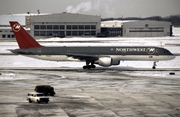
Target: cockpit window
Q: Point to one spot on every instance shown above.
(166, 52)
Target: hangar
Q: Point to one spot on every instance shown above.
(63, 24)
(72, 25)
(111, 28)
(147, 28)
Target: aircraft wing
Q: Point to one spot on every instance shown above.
(83, 57)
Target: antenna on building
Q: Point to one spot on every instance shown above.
(38, 11)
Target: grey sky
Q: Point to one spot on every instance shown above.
(105, 8)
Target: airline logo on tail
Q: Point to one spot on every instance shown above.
(16, 27)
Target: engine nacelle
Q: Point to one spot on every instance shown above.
(107, 61)
(104, 61)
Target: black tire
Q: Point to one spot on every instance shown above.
(51, 94)
(47, 102)
(30, 101)
(84, 67)
(93, 66)
(38, 101)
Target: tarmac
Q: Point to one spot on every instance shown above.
(91, 93)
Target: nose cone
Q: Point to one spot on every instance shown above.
(172, 57)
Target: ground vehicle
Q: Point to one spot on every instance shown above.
(37, 97)
(45, 89)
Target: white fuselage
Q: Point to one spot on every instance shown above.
(115, 57)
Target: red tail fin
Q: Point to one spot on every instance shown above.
(23, 38)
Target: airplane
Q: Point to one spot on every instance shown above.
(102, 55)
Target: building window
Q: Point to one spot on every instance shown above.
(49, 26)
(12, 36)
(55, 33)
(43, 27)
(68, 27)
(36, 33)
(3, 36)
(87, 32)
(49, 33)
(81, 26)
(62, 27)
(146, 25)
(61, 32)
(87, 26)
(9, 36)
(74, 33)
(68, 33)
(42, 33)
(36, 26)
(55, 26)
(81, 33)
(93, 26)
(93, 32)
(74, 27)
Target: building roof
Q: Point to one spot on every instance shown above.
(65, 17)
(151, 22)
(4, 19)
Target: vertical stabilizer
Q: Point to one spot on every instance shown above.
(23, 38)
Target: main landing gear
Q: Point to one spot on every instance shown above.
(154, 65)
(87, 66)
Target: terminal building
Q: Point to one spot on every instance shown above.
(72, 25)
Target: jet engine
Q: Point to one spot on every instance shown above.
(107, 61)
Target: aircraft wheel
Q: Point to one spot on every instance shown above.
(30, 101)
(93, 66)
(84, 67)
(89, 67)
(153, 67)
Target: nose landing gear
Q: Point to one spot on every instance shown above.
(154, 65)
